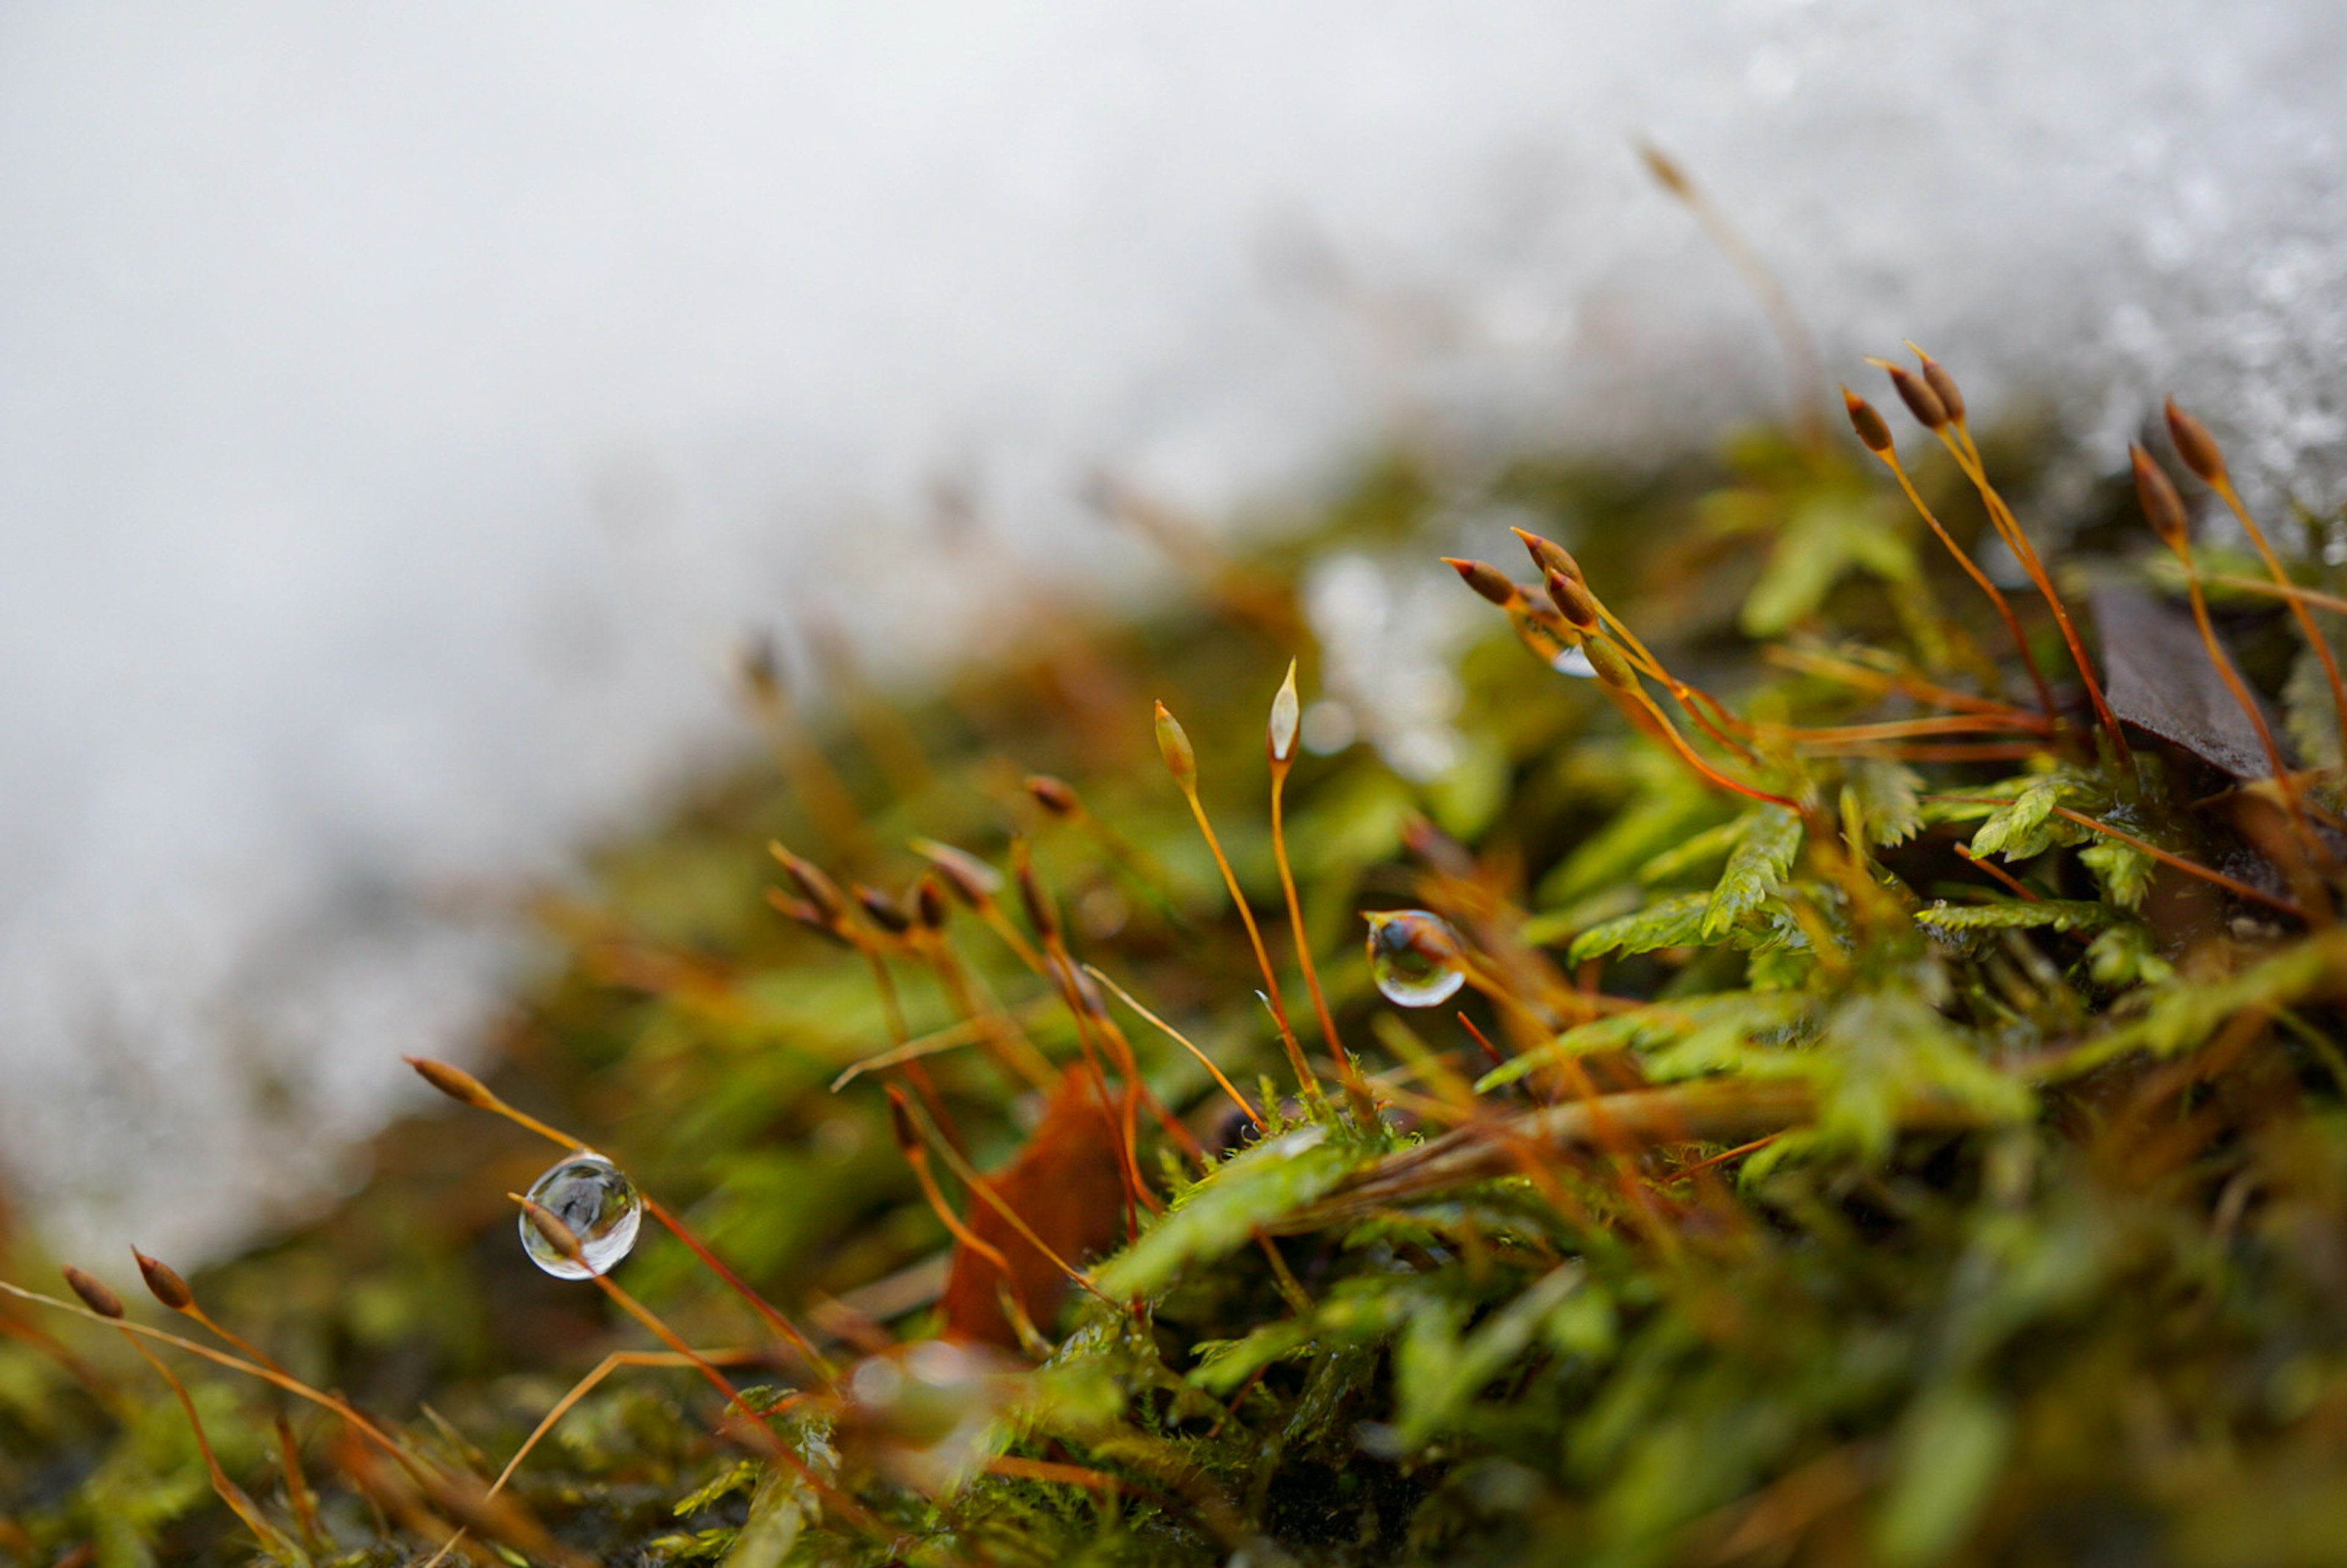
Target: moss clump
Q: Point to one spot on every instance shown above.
(1885, 1117)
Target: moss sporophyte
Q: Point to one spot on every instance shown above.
(1852, 1077)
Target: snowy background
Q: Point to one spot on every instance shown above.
(404, 407)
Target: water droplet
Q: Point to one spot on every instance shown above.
(1415, 958)
(600, 1205)
(1573, 661)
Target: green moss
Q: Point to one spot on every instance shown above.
(1930, 1216)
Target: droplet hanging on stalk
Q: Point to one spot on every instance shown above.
(1415, 958)
(599, 1204)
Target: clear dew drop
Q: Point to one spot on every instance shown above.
(600, 1205)
(1574, 660)
(1415, 958)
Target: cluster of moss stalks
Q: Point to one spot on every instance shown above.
(1890, 1112)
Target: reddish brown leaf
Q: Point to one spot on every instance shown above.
(1066, 1185)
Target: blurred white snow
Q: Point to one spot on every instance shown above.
(401, 407)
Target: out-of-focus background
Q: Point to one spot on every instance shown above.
(405, 409)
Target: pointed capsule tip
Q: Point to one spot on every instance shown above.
(2163, 507)
(1573, 600)
(163, 1282)
(1936, 376)
(1547, 553)
(1486, 580)
(1872, 433)
(1920, 400)
(2195, 446)
(93, 1293)
(1173, 745)
(453, 1081)
(1286, 716)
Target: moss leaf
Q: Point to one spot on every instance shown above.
(1756, 868)
(1222, 1211)
(1673, 923)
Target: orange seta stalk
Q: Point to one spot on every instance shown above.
(909, 1143)
(1643, 712)
(579, 1390)
(1578, 606)
(1181, 762)
(2009, 528)
(298, 1493)
(2206, 459)
(467, 1089)
(2029, 895)
(104, 1303)
(1933, 400)
(1804, 375)
(1185, 1041)
(1279, 749)
(2166, 857)
(1815, 661)
(566, 1242)
(2289, 591)
(1876, 437)
(291, 1385)
(2165, 511)
(164, 1284)
(273, 1539)
(980, 1188)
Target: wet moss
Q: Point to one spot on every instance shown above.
(1913, 1174)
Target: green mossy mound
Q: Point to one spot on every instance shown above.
(1920, 1174)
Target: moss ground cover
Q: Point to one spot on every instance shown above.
(1847, 1070)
